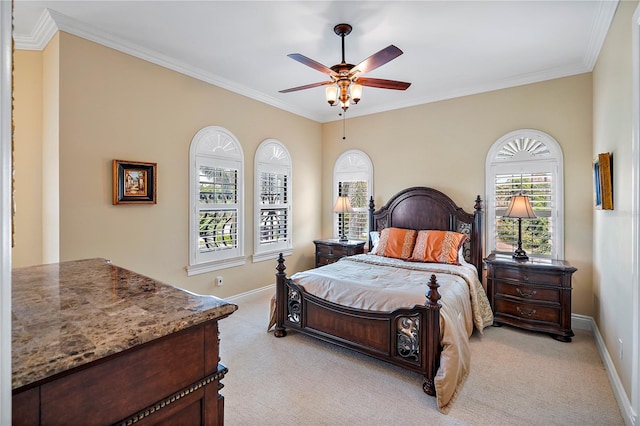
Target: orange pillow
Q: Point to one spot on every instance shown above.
(396, 242)
(438, 247)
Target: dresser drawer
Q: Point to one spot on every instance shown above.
(529, 276)
(527, 292)
(527, 311)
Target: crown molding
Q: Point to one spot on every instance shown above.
(519, 80)
(51, 21)
(604, 18)
(40, 36)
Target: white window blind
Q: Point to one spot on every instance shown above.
(217, 209)
(273, 204)
(356, 223)
(536, 233)
(274, 209)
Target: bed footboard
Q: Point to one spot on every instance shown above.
(409, 338)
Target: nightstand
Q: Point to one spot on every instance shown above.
(533, 294)
(332, 249)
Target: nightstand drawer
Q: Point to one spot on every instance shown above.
(335, 250)
(529, 276)
(324, 249)
(528, 312)
(527, 292)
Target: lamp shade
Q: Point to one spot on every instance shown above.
(356, 92)
(342, 205)
(520, 207)
(331, 93)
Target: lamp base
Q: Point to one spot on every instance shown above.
(520, 254)
(343, 238)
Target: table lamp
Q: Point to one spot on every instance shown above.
(342, 206)
(520, 208)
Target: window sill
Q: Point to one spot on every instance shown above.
(271, 255)
(203, 268)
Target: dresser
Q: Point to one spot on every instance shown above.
(534, 294)
(332, 249)
(94, 343)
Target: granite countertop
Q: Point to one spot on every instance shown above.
(68, 314)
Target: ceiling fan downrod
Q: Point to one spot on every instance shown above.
(342, 30)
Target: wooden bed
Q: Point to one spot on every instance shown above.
(374, 332)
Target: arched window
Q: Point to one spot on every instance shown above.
(526, 161)
(353, 177)
(216, 207)
(272, 189)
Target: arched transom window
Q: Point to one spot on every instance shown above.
(216, 206)
(353, 177)
(527, 162)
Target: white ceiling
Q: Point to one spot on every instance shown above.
(451, 48)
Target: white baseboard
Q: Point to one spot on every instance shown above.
(271, 287)
(582, 322)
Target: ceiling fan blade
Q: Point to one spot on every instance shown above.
(382, 83)
(306, 86)
(377, 59)
(311, 63)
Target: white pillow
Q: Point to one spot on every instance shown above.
(375, 238)
(463, 261)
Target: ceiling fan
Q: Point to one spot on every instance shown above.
(346, 79)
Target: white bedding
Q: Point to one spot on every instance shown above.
(384, 284)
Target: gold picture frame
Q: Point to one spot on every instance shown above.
(134, 182)
(603, 182)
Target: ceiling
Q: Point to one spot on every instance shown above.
(451, 48)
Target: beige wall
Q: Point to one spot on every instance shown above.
(444, 145)
(114, 106)
(51, 152)
(28, 159)
(612, 273)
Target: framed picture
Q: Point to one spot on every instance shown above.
(134, 182)
(602, 182)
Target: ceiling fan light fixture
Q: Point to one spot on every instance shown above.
(331, 93)
(345, 86)
(356, 92)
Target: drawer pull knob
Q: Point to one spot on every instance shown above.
(526, 277)
(526, 293)
(525, 313)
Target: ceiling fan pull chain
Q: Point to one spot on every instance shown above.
(344, 125)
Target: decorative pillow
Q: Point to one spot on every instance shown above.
(396, 242)
(438, 247)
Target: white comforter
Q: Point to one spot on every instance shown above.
(384, 284)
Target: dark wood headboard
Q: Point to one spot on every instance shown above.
(427, 208)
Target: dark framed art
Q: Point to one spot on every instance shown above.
(134, 182)
(603, 182)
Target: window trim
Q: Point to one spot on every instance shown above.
(282, 164)
(351, 165)
(521, 163)
(214, 145)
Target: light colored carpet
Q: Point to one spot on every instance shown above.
(517, 378)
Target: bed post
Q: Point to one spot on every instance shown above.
(477, 237)
(281, 299)
(372, 207)
(433, 336)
